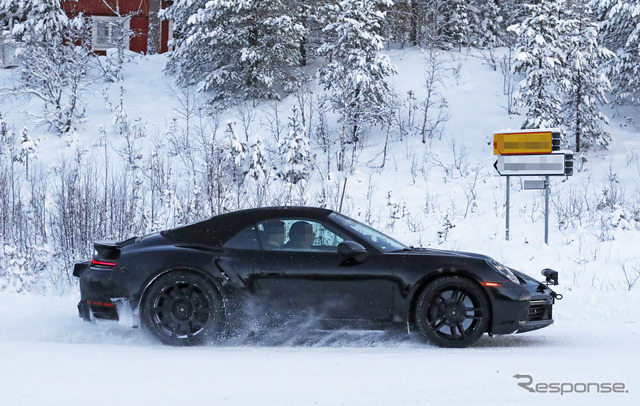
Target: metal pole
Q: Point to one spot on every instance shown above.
(344, 189)
(547, 189)
(508, 204)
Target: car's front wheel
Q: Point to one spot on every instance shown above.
(182, 308)
(452, 312)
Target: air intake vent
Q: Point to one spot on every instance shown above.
(539, 310)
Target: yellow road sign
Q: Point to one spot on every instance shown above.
(526, 142)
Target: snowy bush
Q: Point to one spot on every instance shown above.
(20, 271)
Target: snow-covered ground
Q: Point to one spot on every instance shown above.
(48, 356)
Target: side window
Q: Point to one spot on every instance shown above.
(297, 235)
(246, 239)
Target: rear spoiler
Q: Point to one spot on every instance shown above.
(106, 250)
(111, 249)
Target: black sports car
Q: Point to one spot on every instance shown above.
(274, 266)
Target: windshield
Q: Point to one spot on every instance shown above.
(383, 242)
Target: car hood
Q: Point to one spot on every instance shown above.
(442, 253)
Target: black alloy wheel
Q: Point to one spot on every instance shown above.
(182, 308)
(452, 312)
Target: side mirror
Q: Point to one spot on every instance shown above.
(351, 250)
(551, 275)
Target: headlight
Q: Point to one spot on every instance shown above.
(503, 270)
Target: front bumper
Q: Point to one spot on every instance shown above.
(521, 308)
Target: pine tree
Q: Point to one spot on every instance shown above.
(446, 23)
(309, 14)
(355, 76)
(584, 87)
(236, 47)
(257, 160)
(542, 50)
(235, 159)
(490, 25)
(257, 172)
(295, 151)
(28, 149)
(621, 34)
(44, 21)
(461, 23)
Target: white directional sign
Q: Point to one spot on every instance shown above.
(530, 165)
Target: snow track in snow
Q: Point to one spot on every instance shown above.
(48, 356)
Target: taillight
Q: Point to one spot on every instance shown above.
(103, 304)
(103, 263)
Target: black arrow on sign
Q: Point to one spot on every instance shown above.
(495, 165)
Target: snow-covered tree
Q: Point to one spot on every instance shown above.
(491, 28)
(310, 14)
(621, 34)
(120, 34)
(295, 152)
(39, 20)
(460, 23)
(55, 60)
(585, 86)
(356, 73)
(28, 149)
(235, 159)
(258, 170)
(511, 11)
(445, 23)
(257, 160)
(542, 46)
(236, 47)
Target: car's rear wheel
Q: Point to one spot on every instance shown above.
(182, 308)
(452, 312)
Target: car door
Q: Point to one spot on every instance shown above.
(315, 281)
(235, 259)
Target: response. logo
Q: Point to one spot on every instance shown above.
(526, 382)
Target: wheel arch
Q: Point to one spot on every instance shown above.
(188, 269)
(427, 280)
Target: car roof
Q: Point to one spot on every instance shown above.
(219, 229)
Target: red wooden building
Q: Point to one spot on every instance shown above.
(140, 19)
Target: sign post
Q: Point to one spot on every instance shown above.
(531, 153)
(508, 204)
(547, 190)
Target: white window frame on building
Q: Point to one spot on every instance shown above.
(104, 32)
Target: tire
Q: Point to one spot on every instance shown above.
(182, 309)
(452, 312)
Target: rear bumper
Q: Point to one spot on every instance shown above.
(90, 310)
(100, 296)
(84, 311)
